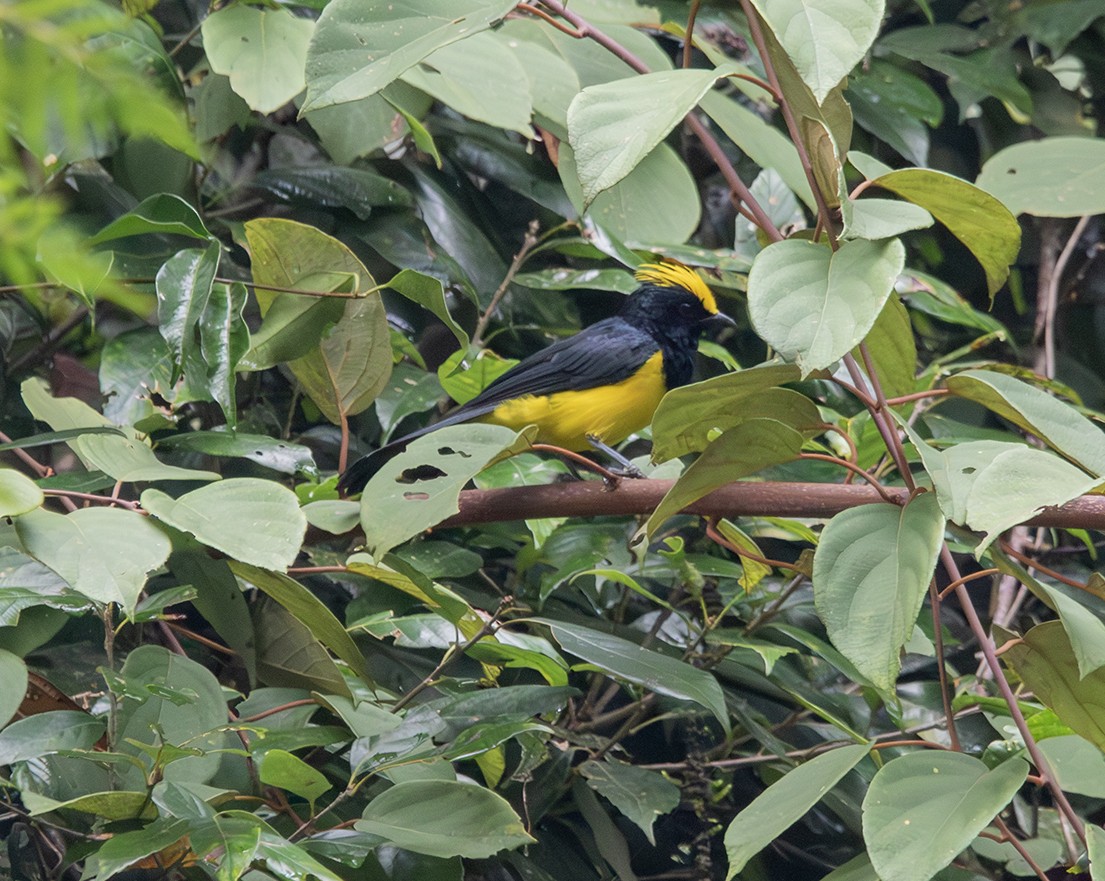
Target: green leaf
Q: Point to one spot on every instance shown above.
(289, 655)
(627, 210)
(308, 609)
(1049, 666)
(13, 685)
(824, 38)
(1056, 423)
(224, 341)
(896, 107)
(690, 416)
(48, 438)
(764, 144)
(1095, 838)
(356, 52)
(127, 848)
(164, 214)
(444, 818)
(249, 519)
(429, 293)
(1052, 177)
(640, 794)
(972, 215)
(282, 769)
(747, 447)
(882, 218)
(130, 461)
(813, 305)
(785, 802)
(613, 126)
(105, 554)
(355, 189)
(922, 809)
(263, 51)
(48, 732)
(348, 369)
(481, 79)
(279, 455)
(871, 572)
(18, 493)
(421, 487)
(892, 348)
(183, 289)
(1085, 630)
(650, 669)
(183, 706)
(989, 486)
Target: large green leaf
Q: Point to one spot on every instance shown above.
(263, 51)
(13, 685)
(1049, 666)
(688, 417)
(814, 305)
(1085, 630)
(989, 486)
(183, 289)
(650, 669)
(922, 809)
(824, 38)
(353, 361)
(279, 455)
(249, 519)
(37, 736)
(308, 609)
(892, 348)
(480, 78)
(785, 802)
(627, 210)
(163, 213)
(1052, 177)
(640, 794)
(105, 554)
(421, 487)
(288, 653)
(749, 446)
(224, 341)
(764, 144)
(429, 293)
(444, 818)
(1056, 423)
(977, 219)
(896, 106)
(18, 493)
(613, 126)
(122, 455)
(184, 707)
(355, 51)
(871, 572)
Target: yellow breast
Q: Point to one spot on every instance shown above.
(611, 412)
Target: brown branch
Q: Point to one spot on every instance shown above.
(635, 497)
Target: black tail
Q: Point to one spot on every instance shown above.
(355, 477)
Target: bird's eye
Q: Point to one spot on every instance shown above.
(685, 307)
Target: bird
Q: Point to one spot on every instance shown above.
(597, 387)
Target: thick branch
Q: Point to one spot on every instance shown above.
(633, 497)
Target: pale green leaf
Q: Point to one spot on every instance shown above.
(824, 38)
(444, 818)
(640, 794)
(871, 572)
(248, 519)
(263, 51)
(105, 554)
(613, 126)
(355, 51)
(649, 669)
(814, 305)
(1052, 177)
(785, 802)
(18, 493)
(972, 215)
(922, 809)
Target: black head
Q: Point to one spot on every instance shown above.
(672, 300)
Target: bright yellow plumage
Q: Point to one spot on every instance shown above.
(610, 412)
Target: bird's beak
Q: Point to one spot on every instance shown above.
(717, 321)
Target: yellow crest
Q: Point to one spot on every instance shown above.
(676, 275)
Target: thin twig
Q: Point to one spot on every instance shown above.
(92, 497)
(987, 646)
(528, 242)
(855, 469)
(941, 668)
(1020, 848)
(1051, 301)
(974, 576)
(688, 37)
(49, 342)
